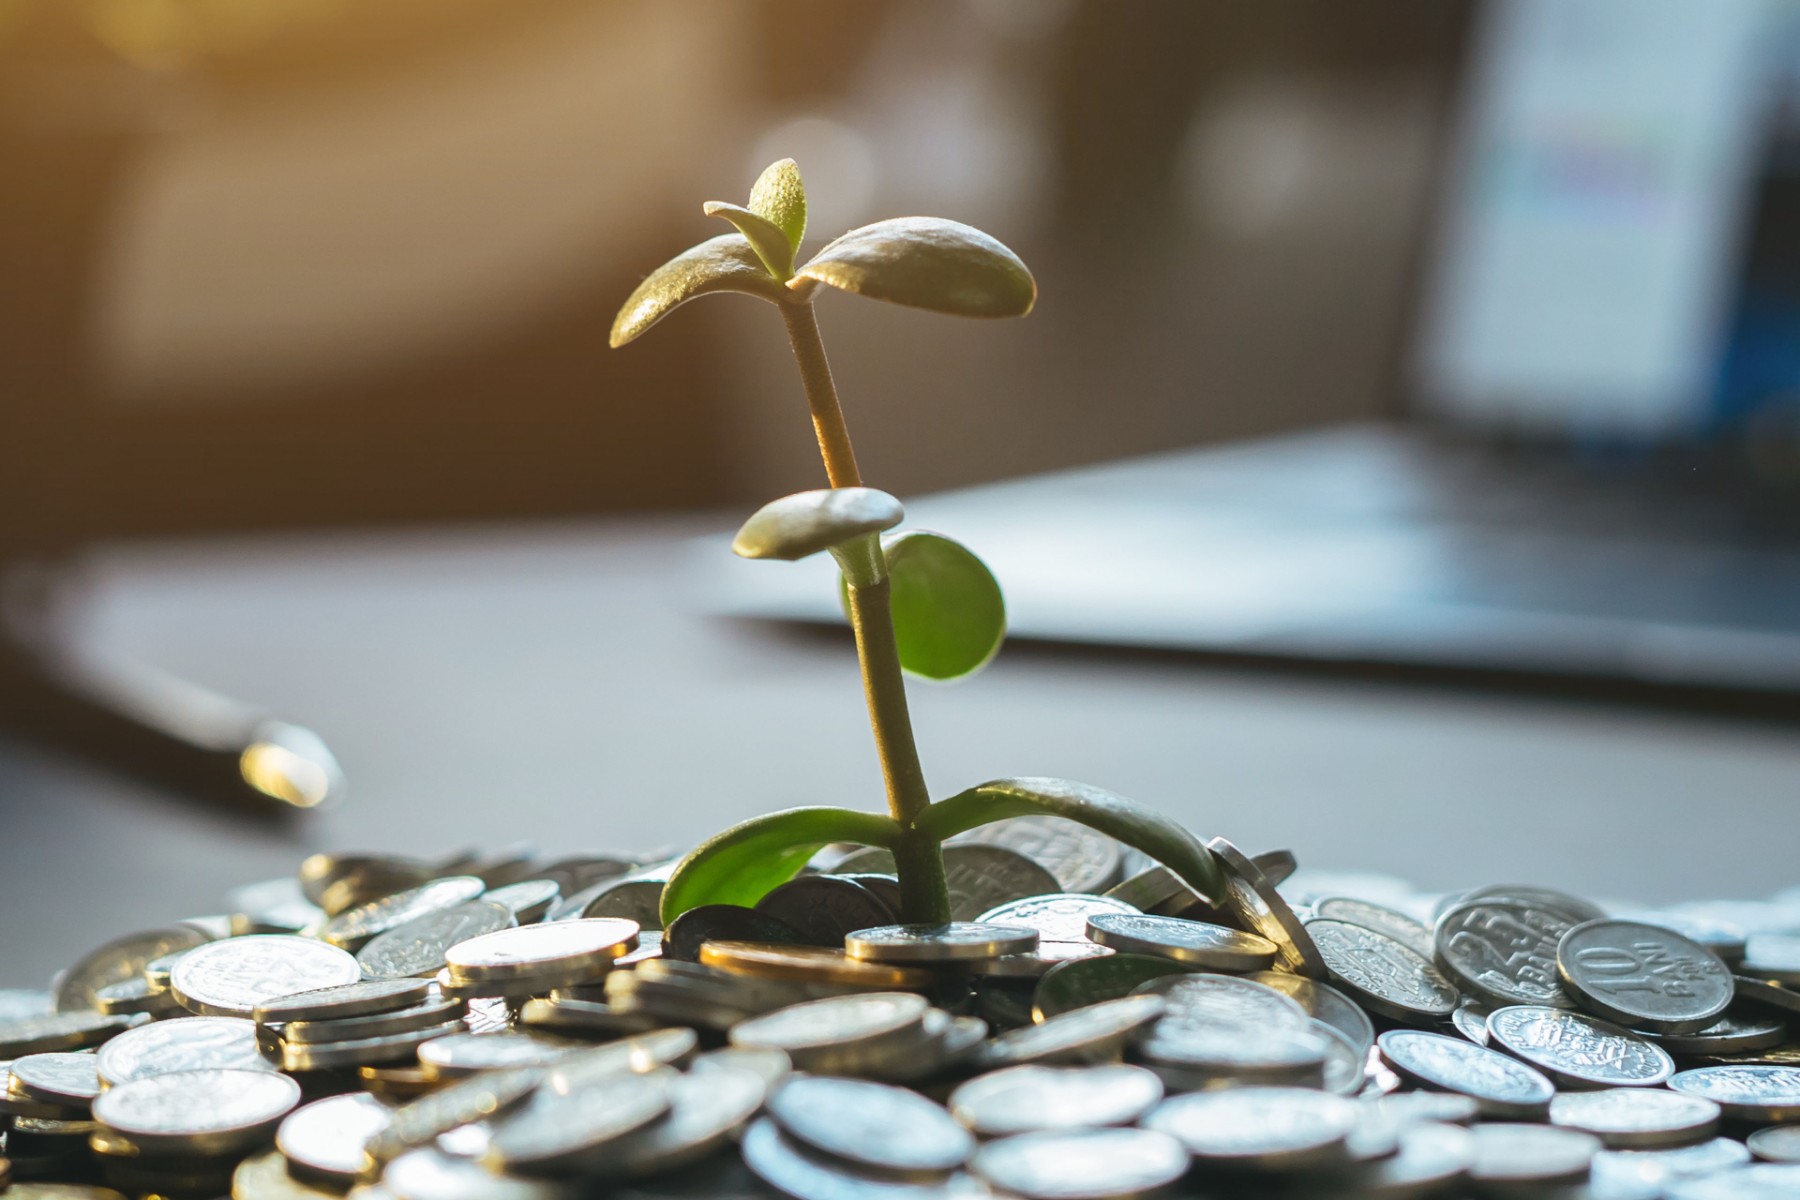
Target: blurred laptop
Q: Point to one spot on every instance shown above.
(1595, 473)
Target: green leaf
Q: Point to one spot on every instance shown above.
(742, 864)
(1156, 835)
(780, 197)
(807, 522)
(925, 262)
(949, 615)
(765, 237)
(722, 264)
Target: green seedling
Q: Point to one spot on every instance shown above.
(918, 602)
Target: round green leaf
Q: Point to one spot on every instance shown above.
(744, 863)
(722, 264)
(780, 197)
(949, 615)
(807, 522)
(1164, 840)
(925, 262)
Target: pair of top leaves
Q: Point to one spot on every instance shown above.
(949, 617)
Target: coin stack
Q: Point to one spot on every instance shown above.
(501, 1026)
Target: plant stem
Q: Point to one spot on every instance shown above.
(821, 394)
(924, 891)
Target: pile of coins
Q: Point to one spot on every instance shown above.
(501, 1026)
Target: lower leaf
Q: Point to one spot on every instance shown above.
(1156, 835)
(747, 861)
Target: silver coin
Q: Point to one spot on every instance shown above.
(1057, 917)
(466, 1053)
(1733, 1033)
(1503, 952)
(327, 1140)
(201, 1112)
(25, 1002)
(1085, 981)
(770, 1066)
(1154, 889)
(1535, 1154)
(804, 1030)
(433, 1012)
(1276, 865)
(1081, 858)
(567, 951)
(982, 877)
(558, 1132)
(59, 1078)
(872, 1125)
(1344, 1063)
(1397, 925)
(1637, 1118)
(1380, 971)
(1198, 943)
(1276, 1128)
(814, 910)
(794, 1171)
(1758, 1181)
(1427, 1157)
(641, 1052)
(1189, 1058)
(272, 906)
(117, 961)
(958, 941)
(1031, 1098)
(583, 1018)
(1324, 1003)
(1572, 907)
(530, 900)
(1083, 1164)
(362, 1052)
(1703, 1158)
(431, 1174)
(1414, 1108)
(464, 1102)
(1502, 1086)
(636, 899)
(1777, 1143)
(1470, 1020)
(1205, 1003)
(343, 1000)
(353, 927)
(182, 1044)
(706, 1107)
(1724, 939)
(1096, 1033)
(1766, 1095)
(1256, 906)
(230, 978)
(417, 947)
(1644, 976)
(1039, 962)
(1767, 995)
(265, 1176)
(1581, 1050)
(1773, 956)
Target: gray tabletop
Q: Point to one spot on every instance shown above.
(560, 685)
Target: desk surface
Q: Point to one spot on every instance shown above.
(558, 685)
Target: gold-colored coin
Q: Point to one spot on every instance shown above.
(809, 964)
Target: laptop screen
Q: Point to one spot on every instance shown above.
(1613, 260)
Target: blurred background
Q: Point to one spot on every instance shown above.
(303, 313)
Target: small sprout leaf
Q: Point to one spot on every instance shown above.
(765, 237)
(949, 615)
(807, 522)
(925, 262)
(779, 196)
(1162, 839)
(747, 861)
(722, 264)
